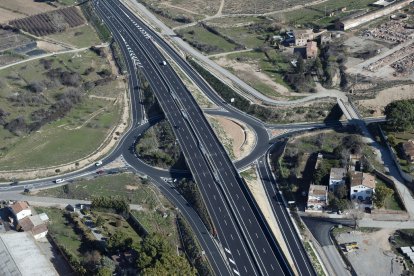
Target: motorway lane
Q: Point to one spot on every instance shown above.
(265, 249)
(294, 244)
(224, 223)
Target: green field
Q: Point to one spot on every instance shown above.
(127, 185)
(317, 15)
(213, 43)
(83, 36)
(60, 229)
(61, 141)
(154, 222)
(392, 202)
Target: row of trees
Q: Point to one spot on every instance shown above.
(400, 115)
(189, 189)
(116, 203)
(192, 248)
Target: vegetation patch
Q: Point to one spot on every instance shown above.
(55, 108)
(110, 185)
(158, 147)
(315, 112)
(83, 36)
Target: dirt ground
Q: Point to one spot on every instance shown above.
(21, 8)
(249, 71)
(387, 96)
(374, 256)
(49, 47)
(6, 15)
(241, 137)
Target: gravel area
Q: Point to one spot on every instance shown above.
(374, 256)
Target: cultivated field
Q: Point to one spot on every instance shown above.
(50, 22)
(13, 9)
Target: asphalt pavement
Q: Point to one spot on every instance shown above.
(219, 182)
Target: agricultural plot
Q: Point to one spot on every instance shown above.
(50, 22)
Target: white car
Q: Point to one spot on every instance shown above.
(99, 163)
(59, 180)
(164, 62)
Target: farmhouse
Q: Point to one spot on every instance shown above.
(311, 49)
(352, 22)
(37, 225)
(336, 178)
(362, 186)
(317, 198)
(302, 37)
(20, 210)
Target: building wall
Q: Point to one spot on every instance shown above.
(40, 235)
(334, 183)
(354, 22)
(23, 214)
(361, 191)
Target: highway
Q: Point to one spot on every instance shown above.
(249, 246)
(243, 244)
(279, 209)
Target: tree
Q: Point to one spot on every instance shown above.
(353, 143)
(400, 115)
(156, 257)
(99, 221)
(381, 194)
(104, 271)
(300, 65)
(341, 191)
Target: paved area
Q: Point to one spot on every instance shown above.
(20, 255)
(53, 202)
(374, 256)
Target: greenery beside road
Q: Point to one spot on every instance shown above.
(399, 128)
(158, 147)
(315, 112)
(135, 189)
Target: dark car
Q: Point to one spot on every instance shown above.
(14, 183)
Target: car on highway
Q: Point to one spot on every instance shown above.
(59, 180)
(99, 163)
(100, 172)
(164, 62)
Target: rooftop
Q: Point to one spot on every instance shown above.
(316, 190)
(19, 206)
(337, 173)
(365, 179)
(20, 255)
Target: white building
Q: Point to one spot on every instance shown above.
(317, 198)
(362, 186)
(20, 210)
(337, 178)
